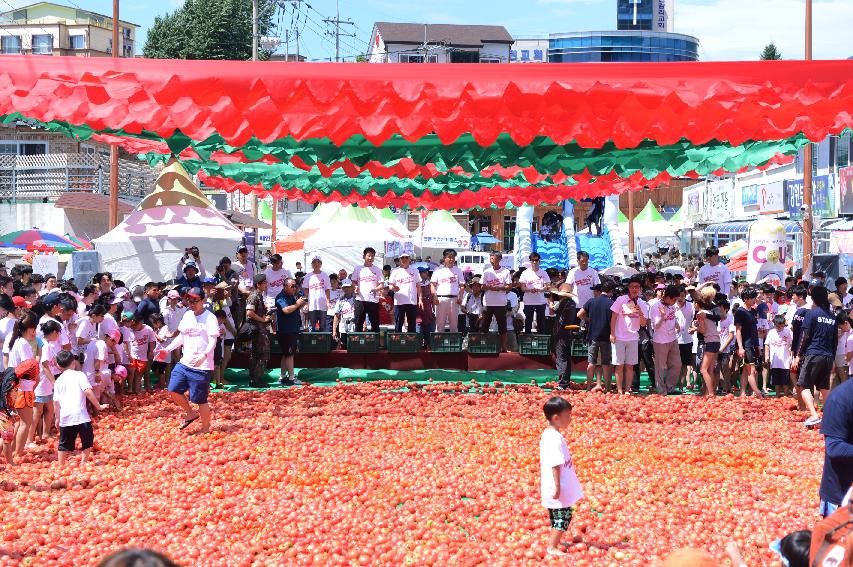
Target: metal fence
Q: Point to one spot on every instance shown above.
(46, 177)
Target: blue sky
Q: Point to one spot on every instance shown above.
(727, 29)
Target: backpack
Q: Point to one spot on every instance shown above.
(832, 540)
(8, 382)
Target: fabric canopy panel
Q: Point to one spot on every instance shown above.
(440, 230)
(476, 135)
(147, 245)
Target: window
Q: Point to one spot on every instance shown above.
(509, 232)
(537, 55)
(415, 58)
(513, 55)
(525, 55)
(17, 148)
(10, 44)
(77, 41)
(842, 151)
(43, 44)
(459, 56)
(490, 60)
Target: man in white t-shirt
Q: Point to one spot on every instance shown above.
(714, 271)
(497, 281)
(629, 313)
(276, 275)
(404, 283)
(368, 282)
(664, 317)
(70, 393)
(534, 281)
(582, 278)
(198, 331)
(447, 287)
(318, 288)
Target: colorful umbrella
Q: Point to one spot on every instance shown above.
(80, 243)
(35, 239)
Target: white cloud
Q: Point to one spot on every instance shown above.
(739, 29)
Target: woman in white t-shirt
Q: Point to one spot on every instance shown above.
(20, 351)
(43, 414)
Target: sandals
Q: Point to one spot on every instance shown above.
(186, 423)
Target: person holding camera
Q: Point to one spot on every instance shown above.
(193, 257)
(288, 305)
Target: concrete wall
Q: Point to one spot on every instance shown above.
(45, 216)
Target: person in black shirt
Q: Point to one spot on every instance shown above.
(596, 313)
(747, 340)
(815, 355)
(566, 322)
(150, 304)
(837, 429)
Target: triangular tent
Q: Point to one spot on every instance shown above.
(649, 213)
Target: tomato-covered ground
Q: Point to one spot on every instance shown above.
(365, 473)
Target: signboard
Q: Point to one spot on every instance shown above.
(445, 242)
(46, 264)
(771, 198)
(720, 204)
(662, 18)
(396, 248)
(821, 197)
(749, 196)
(693, 200)
(766, 251)
(845, 187)
(841, 241)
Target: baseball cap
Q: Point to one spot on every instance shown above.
(596, 287)
(242, 248)
(259, 278)
(815, 283)
(423, 269)
(51, 300)
(190, 265)
(19, 301)
(115, 335)
(346, 283)
(405, 254)
(834, 300)
(121, 292)
(28, 369)
(316, 259)
(209, 281)
(195, 293)
(127, 315)
(173, 294)
(660, 286)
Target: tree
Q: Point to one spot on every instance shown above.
(208, 29)
(770, 53)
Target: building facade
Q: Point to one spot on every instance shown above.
(621, 46)
(438, 43)
(645, 15)
(45, 28)
(529, 50)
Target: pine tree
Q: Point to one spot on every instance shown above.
(770, 53)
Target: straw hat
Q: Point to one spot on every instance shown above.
(564, 291)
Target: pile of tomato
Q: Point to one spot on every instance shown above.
(383, 473)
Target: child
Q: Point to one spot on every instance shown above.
(162, 338)
(777, 355)
(559, 482)
(141, 350)
(727, 343)
(96, 367)
(841, 366)
(43, 419)
(71, 391)
(219, 352)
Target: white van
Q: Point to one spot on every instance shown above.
(477, 262)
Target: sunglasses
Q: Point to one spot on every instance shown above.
(193, 301)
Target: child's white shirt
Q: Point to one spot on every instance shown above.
(553, 452)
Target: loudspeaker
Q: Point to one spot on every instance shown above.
(829, 265)
(85, 263)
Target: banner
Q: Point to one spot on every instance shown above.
(845, 186)
(766, 252)
(395, 248)
(46, 264)
(821, 198)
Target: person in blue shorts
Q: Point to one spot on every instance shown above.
(198, 333)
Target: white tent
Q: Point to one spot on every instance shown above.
(439, 230)
(147, 245)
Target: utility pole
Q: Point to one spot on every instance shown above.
(113, 204)
(337, 33)
(808, 220)
(255, 40)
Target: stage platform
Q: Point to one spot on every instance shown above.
(424, 360)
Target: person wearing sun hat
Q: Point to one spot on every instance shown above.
(198, 334)
(565, 323)
(257, 312)
(407, 293)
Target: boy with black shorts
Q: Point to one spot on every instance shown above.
(746, 332)
(70, 393)
(559, 482)
(816, 352)
(777, 355)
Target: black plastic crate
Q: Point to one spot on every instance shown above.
(446, 342)
(403, 342)
(362, 342)
(484, 343)
(534, 345)
(315, 343)
(580, 348)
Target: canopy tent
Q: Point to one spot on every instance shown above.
(391, 222)
(679, 219)
(439, 230)
(651, 231)
(147, 245)
(437, 137)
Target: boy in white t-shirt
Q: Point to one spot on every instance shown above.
(70, 393)
(777, 355)
(559, 481)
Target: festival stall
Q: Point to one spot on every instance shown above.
(147, 245)
(439, 230)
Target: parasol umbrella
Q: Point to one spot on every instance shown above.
(34, 238)
(622, 271)
(80, 243)
(486, 238)
(673, 270)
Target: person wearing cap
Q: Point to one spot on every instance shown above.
(198, 333)
(816, 352)
(566, 318)
(150, 303)
(276, 274)
(317, 287)
(581, 279)
(596, 313)
(343, 314)
(367, 280)
(667, 357)
(714, 271)
(191, 256)
(447, 290)
(407, 293)
(140, 343)
(245, 269)
(628, 313)
(257, 312)
(534, 281)
(497, 281)
(288, 326)
(472, 303)
(71, 391)
(190, 277)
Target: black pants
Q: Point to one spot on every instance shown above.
(499, 313)
(366, 309)
(646, 351)
(410, 312)
(563, 355)
(539, 311)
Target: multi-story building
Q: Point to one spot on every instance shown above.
(529, 50)
(645, 15)
(438, 43)
(45, 28)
